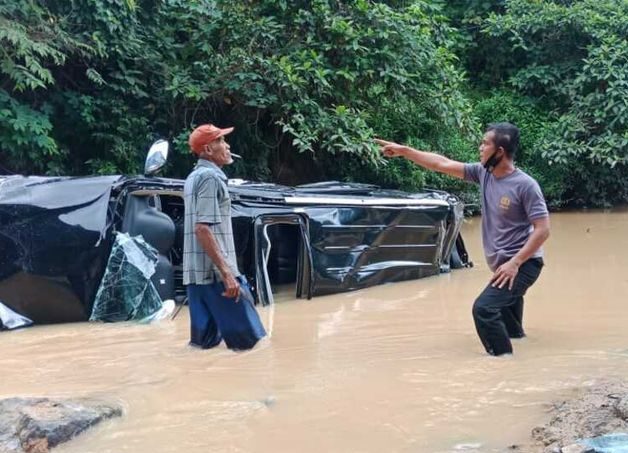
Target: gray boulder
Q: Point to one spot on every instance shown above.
(35, 425)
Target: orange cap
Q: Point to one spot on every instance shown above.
(205, 134)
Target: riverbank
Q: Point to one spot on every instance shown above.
(598, 409)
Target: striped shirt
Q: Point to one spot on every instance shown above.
(207, 201)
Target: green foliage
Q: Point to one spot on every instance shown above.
(30, 40)
(574, 55)
(65, 107)
(535, 126)
(26, 133)
(311, 78)
(86, 85)
(595, 185)
(478, 51)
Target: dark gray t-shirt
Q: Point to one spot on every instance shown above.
(509, 205)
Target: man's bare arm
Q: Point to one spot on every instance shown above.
(535, 241)
(430, 161)
(506, 273)
(210, 245)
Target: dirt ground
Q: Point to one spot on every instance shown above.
(593, 411)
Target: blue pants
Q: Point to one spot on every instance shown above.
(214, 317)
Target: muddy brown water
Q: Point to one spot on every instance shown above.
(396, 368)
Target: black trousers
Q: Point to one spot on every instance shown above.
(498, 313)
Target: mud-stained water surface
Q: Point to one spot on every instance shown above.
(396, 368)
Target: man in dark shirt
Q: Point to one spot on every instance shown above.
(515, 224)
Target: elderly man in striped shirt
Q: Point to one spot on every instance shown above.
(221, 305)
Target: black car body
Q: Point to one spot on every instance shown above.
(56, 234)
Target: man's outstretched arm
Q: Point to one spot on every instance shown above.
(431, 161)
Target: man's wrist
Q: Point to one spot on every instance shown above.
(404, 151)
(516, 261)
(224, 271)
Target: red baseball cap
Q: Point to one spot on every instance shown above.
(205, 134)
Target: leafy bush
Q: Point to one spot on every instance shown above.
(97, 79)
(534, 125)
(68, 102)
(317, 78)
(85, 85)
(573, 57)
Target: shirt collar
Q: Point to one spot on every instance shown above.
(213, 167)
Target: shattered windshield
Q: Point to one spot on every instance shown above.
(126, 291)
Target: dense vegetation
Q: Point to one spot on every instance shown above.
(86, 85)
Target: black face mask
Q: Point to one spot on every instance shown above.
(492, 161)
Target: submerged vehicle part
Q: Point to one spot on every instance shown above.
(56, 235)
(10, 320)
(126, 292)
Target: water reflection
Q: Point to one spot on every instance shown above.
(395, 368)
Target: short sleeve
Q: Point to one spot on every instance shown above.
(534, 202)
(472, 172)
(208, 200)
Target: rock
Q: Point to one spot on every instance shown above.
(34, 425)
(622, 408)
(547, 435)
(576, 448)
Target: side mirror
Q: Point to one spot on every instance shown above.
(156, 158)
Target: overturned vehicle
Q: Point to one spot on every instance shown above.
(57, 236)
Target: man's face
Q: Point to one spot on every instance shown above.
(487, 147)
(219, 152)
